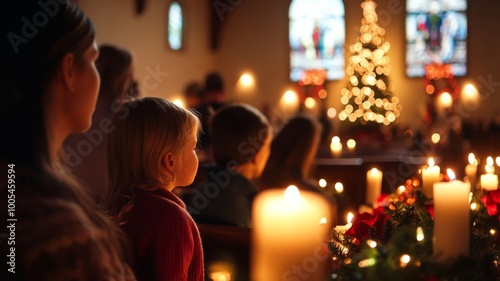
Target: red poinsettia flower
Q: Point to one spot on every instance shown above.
(491, 201)
(430, 209)
(362, 224)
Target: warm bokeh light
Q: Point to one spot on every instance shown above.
(179, 102)
(420, 234)
(404, 260)
(331, 112)
(445, 100)
(371, 243)
(470, 93)
(335, 139)
(351, 144)
(472, 158)
(247, 80)
(429, 89)
(473, 206)
(401, 189)
(322, 94)
(323, 221)
(310, 102)
(322, 183)
(435, 138)
(292, 194)
(339, 187)
(290, 97)
(489, 161)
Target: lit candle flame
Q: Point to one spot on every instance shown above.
(335, 139)
(350, 216)
(451, 174)
(322, 220)
(431, 162)
(339, 187)
(292, 194)
(420, 234)
(498, 160)
(472, 159)
(322, 183)
(489, 161)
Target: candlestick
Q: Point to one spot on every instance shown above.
(287, 234)
(451, 220)
(336, 147)
(430, 175)
(373, 186)
(471, 170)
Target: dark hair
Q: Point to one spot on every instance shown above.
(114, 65)
(292, 150)
(213, 83)
(237, 132)
(30, 55)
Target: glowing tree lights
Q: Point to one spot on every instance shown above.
(368, 98)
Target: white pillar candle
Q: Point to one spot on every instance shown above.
(287, 235)
(336, 147)
(471, 170)
(430, 175)
(489, 181)
(373, 186)
(451, 220)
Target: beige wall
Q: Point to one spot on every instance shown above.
(145, 37)
(254, 38)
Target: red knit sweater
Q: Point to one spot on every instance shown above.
(165, 240)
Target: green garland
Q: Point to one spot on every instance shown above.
(391, 251)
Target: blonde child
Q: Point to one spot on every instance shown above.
(151, 150)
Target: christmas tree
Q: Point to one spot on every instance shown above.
(368, 98)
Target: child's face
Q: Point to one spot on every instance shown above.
(187, 162)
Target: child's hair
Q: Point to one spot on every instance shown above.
(238, 131)
(142, 131)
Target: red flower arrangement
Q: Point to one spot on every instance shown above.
(363, 223)
(492, 201)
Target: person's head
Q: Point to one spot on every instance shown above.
(192, 95)
(48, 77)
(240, 135)
(152, 146)
(214, 88)
(293, 149)
(116, 69)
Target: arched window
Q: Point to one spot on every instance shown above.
(436, 33)
(175, 26)
(317, 37)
